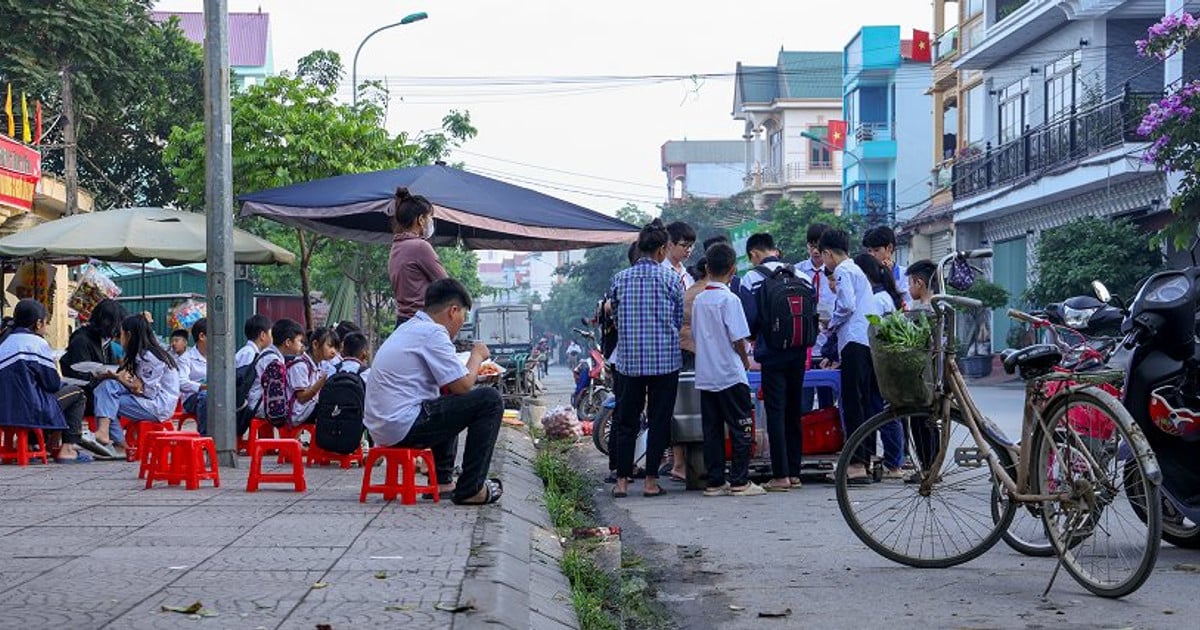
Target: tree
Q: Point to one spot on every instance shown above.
(790, 220)
(709, 217)
(121, 82)
(1071, 256)
(1173, 125)
(289, 129)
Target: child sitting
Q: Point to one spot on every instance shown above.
(325, 346)
(305, 378)
(34, 395)
(179, 342)
(355, 355)
(720, 331)
(146, 387)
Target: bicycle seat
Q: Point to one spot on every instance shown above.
(1033, 361)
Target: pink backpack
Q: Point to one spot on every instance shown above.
(277, 397)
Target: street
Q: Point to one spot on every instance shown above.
(726, 562)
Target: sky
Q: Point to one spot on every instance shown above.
(546, 81)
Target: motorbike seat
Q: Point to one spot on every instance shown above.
(1033, 361)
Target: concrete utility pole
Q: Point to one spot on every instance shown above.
(218, 201)
(1173, 79)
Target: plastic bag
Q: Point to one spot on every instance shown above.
(562, 423)
(186, 313)
(93, 288)
(34, 280)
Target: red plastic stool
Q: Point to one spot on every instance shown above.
(181, 416)
(260, 429)
(322, 457)
(14, 446)
(146, 446)
(394, 458)
(133, 434)
(181, 458)
(259, 448)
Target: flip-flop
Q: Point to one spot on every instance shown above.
(617, 494)
(678, 478)
(80, 458)
(100, 451)
(495, 489)
(661, 491)
(769, 488)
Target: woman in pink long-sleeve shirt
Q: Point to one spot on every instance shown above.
(413, 264)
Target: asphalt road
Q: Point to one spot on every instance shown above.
(723, 562)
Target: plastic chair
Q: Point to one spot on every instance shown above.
(259, 448)
(14, 446)
(407, 489)
(181, 459)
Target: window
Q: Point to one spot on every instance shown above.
(971, 8)
(851, 110)
(776, 150)
(1013, 110)
(972, 35)
(819, 156)
(976, 106)
(1064, 86)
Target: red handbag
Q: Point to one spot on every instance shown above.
(821, 432)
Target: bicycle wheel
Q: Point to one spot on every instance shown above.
(1084, 452)
(602, 429)
(1026, 533)
(950, 525)
(1178, 529)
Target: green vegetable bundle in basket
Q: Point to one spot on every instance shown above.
(903, 362)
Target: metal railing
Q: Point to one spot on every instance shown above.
(866, 132)
(946, 45)
(1059, 143)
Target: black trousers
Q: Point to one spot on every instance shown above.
(437, 428)
(612, 434)
(783, 386)
(655, 394)
(72, 400)
(857, 375)
(730, 407)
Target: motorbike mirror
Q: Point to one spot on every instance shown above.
(1101, 291)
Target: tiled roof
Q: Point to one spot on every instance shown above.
(816, 75)
(248, 34)
(758, 84)
(704, 152)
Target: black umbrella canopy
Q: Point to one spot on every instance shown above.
(480, 212)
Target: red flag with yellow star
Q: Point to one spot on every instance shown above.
(921, 47)
(837, 134)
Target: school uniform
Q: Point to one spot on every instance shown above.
(33, 394)
(718, 322)
(303, 373)
(245, 355)
(193, 373)
(854, 302)
(157, 402)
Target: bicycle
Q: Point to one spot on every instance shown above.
(942, 515)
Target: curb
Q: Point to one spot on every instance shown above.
(513, 578)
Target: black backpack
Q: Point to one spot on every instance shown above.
(787, 309)
(339, 413)
(244, 380)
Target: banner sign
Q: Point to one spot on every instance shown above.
(20, 170)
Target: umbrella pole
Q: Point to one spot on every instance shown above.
(142, 303)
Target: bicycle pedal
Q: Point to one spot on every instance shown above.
(969, 457)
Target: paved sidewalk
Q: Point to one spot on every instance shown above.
(86, 547)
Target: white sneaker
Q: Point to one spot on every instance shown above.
(717, 491)
(749, 490)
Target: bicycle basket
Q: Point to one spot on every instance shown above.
(904, 375)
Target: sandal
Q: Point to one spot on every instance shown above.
(678, 478)
(617, 494)
(661, 491)
(494, 488)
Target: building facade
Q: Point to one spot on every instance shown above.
(885, 163)
(703, 169)
(1037, 104)
(250, 57)
(801, 93)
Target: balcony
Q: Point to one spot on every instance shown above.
(1054, 145)
(946, 46)
(1005, 8)
(799, 174)
(873, 131)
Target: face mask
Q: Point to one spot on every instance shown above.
(429, 228)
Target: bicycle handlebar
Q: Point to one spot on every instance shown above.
(977, 253)
(956, 300)
(1026, 317)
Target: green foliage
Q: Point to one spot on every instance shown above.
(133, 81)
(289, 129)
(708, 217)
(902, 332)
(1071, 256)
(790, 220)
(991, 294)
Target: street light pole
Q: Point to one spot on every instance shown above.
(408, 19)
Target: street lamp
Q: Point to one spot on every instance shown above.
(408, 19)
(861, 164)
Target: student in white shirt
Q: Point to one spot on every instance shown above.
(880, 242)
(258, 338)
(679, 249)
(306, 378)
(325, 346)
(887, 299)
(813, 268)
(146, 387)
(721, 333)
(357, 355)
(854, 302)
(193, 376)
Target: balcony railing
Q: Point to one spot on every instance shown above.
(798, 174)
(866, 132)
(1059, 143)
(1005, 8)
(946, 45)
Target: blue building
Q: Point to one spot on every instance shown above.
(889, 126)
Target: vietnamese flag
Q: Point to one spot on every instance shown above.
(921, 49)
(837, 134)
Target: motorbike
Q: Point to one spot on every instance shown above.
(1162, 390)
(593, 378)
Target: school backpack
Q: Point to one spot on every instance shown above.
(787, 309)
(339, 412)
(276, 404)
(244, 381)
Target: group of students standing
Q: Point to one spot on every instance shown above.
(666, 322)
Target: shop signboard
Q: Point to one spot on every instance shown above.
(738, 235)
(20, 170)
